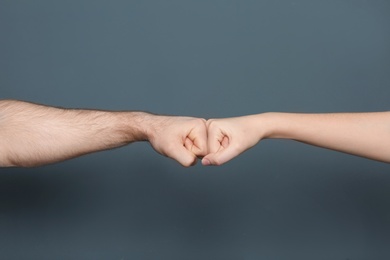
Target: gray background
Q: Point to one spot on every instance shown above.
(279, 200)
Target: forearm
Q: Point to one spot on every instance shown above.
(32, 135)
(362, 134)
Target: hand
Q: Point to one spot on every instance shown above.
(230, 137)
(180, 138)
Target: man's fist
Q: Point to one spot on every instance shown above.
(183, 139)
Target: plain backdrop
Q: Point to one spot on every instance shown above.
(279, 200)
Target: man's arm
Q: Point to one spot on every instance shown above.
(362, 134)
(33, 135)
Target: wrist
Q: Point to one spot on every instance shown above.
(279, 125)
(136, 126)
(267, 124)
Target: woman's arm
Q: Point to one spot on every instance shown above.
(362, 134)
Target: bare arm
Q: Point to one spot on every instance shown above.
(33, 135)
(362, 134)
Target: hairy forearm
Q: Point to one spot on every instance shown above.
(362, 134)
(33, 135)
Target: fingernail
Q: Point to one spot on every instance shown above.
(206, 162)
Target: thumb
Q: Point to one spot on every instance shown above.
(183, 156)
(220, 157)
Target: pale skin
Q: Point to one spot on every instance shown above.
(362, 134)
(33, 135)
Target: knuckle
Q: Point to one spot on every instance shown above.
(210, 122)
(198, 121)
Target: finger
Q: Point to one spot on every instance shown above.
(198, 138)
(225, 142)
(214, 139)
(188, 144)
